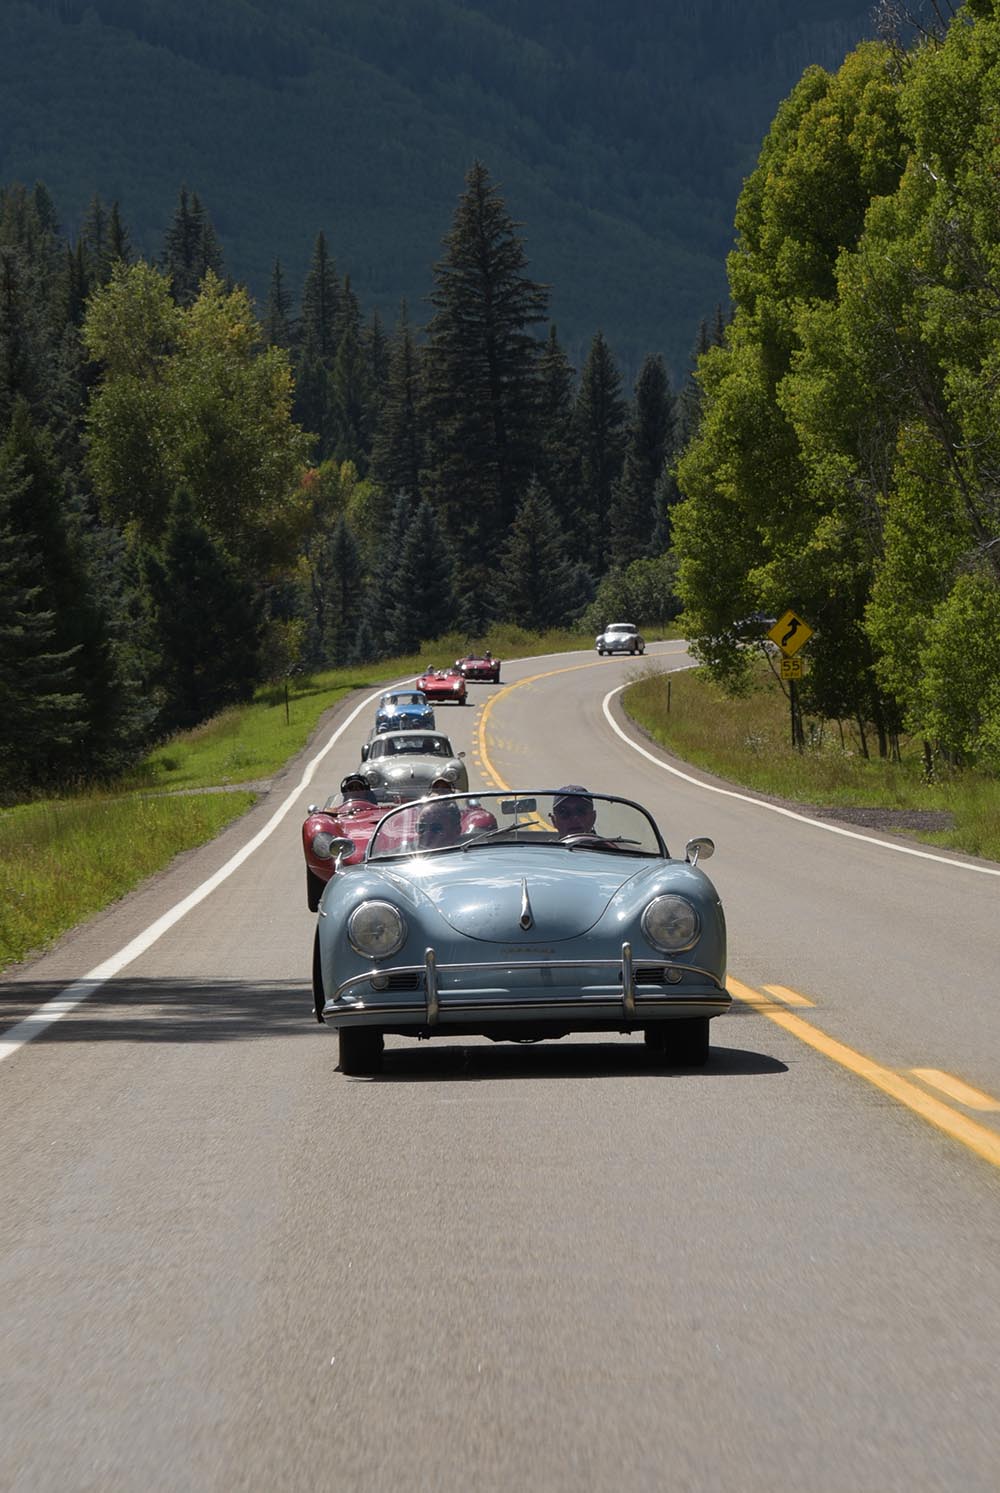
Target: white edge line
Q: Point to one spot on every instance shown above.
(760, 803)
(53, 1010)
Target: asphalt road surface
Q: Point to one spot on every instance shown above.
(226, 1266)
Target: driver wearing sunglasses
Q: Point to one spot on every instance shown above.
(573, 811)
(439, 824)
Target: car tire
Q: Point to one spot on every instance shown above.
(319, 998)
(683, 1043)
(686, 1042)
(314, 889)
(360, 1051)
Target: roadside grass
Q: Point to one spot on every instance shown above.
(747, 741)
(61, 861)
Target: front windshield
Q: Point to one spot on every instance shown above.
(474, 822)
(418, 746)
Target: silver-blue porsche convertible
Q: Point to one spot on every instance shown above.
(519, 916)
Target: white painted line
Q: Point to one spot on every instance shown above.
(32, 1026)
(760, 803)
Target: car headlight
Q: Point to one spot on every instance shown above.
(457, 684)
(376, 929)
(373, 775)
(671, 923)
(321, 841)
(451, 773)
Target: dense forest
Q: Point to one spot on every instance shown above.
(620, 135)
(198, 493)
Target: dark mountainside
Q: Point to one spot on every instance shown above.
(619, 136)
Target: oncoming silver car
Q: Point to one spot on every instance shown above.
(620, 637)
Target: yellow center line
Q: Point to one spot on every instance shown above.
(790, 997)
(978, 1138)
(480, 743)
(962, 1093)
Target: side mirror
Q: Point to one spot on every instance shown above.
(700, 849)
(364, 752)
(461, 754)
(313, 809)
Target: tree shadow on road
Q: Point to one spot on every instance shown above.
(165, 1010)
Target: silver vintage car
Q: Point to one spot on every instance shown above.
(547, 912)
(620, 637)
(403, 764)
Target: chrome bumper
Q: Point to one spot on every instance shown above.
(444, 995)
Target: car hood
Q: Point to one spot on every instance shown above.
(489, 905)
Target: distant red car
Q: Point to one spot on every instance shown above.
(444, 685)
(485, 667)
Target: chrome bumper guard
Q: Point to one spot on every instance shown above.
(624, 989)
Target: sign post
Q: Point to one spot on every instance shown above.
(791, 632)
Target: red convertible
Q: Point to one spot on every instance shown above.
(443, 685)
(482, 667)
(354, 817)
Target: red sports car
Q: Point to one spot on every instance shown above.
(353, 816)
(484, 667)
(443, 685)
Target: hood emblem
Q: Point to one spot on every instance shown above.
(527, 918)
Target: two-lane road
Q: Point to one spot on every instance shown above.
(226, 1266)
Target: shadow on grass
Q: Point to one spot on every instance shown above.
(196, 1011)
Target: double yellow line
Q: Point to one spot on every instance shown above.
(978, 1138)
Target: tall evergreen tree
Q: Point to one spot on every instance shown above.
(650, 433)
(205, 622)
(278, 315)
(350, 401)
(481, 367)
(537, 586)
(41, 715)
(191, 249)
(600, 419)
(385, 589)
(398, 449)
(559, 461)
(318, 338)
(335, 588)
(423, 607)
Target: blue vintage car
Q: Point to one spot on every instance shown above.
(548, 912)
(401, 709)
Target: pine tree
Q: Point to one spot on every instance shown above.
(278, 330)
(119, 243)
(349, 402)
(337, 571)
(321, 304)
(204, 620)
(40, 712)
(424, 606)
(650, 433)
(481, 367)
(375, 346)
(191, 249)
(384, 588)
(398, 450)
(537, 586)
(559, 462)
(600, 419)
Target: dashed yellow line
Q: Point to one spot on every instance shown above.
(962, 1093)
(978, 1138)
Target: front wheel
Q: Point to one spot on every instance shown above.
(314, 889)
(683, 1043)
(360, 1051)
